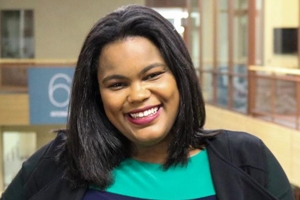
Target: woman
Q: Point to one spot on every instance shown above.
(135, 129)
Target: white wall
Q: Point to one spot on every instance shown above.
(279, 13)
(61, 26)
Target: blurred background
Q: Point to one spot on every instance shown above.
(245, 53)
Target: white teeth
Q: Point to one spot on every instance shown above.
(146, 113)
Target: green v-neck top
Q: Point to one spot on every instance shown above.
(144, 180)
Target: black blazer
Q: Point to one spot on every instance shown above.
(242, 169)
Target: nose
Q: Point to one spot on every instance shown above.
(138, 93)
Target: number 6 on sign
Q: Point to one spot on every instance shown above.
(55, 86)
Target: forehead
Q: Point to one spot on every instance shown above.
(128, 52)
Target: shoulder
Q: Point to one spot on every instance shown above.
(46, 153)
(237, 135)
(249, 154)
(240, 148)
(236, 139)
(44, 160)
(244, 152)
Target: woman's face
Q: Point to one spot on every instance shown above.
(138, 90)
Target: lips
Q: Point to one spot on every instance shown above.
(144, 116)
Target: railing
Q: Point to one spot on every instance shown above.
(13, 73)
(274, 95)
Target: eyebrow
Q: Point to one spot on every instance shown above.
(117, 76)
(151, 67)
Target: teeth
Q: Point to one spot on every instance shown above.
(146, 113)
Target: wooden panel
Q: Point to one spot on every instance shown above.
(14, 76)
(14, 109)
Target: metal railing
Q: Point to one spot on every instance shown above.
(273, 94)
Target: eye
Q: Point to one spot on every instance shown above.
(153, 76)
(117, 86)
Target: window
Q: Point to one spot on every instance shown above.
(17, 38)
(17, 147)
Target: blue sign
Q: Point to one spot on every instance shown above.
(49, 94)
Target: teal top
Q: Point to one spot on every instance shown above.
(150, 181)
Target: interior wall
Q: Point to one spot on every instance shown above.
(279, 13)
(61, 26)
(283, 142)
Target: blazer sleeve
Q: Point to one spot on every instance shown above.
(15, 190)
(278, 183)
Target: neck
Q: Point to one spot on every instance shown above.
(153, 154)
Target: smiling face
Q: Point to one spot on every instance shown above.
(138, 90)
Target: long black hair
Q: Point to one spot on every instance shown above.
(93, 145)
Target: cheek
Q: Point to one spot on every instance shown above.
(173, 92)
(110, 112)
(109, 106)
(168, 86)
(112, 104)
(105, 101)
(174, 96)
